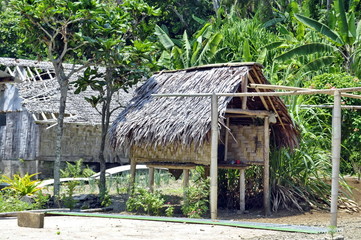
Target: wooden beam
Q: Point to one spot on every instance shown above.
(244, 89)
(271, 102)
(336, 152)
(261, 97)
(185, 182)
(266, 183)
(249, 112)
(214, 157)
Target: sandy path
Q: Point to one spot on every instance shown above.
(104, 228)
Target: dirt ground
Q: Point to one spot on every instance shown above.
(62, 227)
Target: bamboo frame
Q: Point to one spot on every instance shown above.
(242, 190)
(336, 139)
(336, 152)
(266, 184)
(214, 157)
(226, 141)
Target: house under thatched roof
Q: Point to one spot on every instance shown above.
(176, 131)
(159, 121)
(29, 109)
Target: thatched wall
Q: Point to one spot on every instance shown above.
(170, 153)
(249, 144)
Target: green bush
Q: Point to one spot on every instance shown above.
(11, 203)
(196, 199)
(75, 170)
(142, 200)
(22, 185)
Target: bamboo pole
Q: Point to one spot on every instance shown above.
(214, 153)
(266, 184)
(226, 141)
(280, 87)
(263, 94)
(242, 190)
(336, 151)
(151, 179)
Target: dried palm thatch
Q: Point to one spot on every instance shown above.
(154, 121)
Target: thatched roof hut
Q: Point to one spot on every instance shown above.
(183, 120)
(177, 131)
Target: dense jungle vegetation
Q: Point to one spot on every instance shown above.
(309, 43)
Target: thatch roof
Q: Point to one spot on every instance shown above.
(187, 120)
(40, 92)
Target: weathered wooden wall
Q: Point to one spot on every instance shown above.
(19, 137)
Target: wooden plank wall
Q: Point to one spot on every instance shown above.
(19, 138)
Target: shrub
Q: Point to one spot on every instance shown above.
(142, 200)
(196, 199)
(11, 203)
(22, 185)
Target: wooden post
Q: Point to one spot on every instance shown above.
(214, 153)
(185, 182)
(151, 179)
(226, 141)
(266, 184)
(244, 90)
(133, 167)
(336, 151)
(242, 191)
(185, 178)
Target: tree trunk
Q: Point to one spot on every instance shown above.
(105, 127)
(64, 84)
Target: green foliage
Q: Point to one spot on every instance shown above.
(41, 199)
(22, 185)
(180, 16)
(196, 200)
(351, 120)
(75, 170)
(169, 211)
(11, 203)
(183, 53)
(143, 200)
(12, 34)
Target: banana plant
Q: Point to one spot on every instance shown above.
(185, 52)
(343, 39)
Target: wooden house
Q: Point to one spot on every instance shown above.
(175, 131)
(29, 105)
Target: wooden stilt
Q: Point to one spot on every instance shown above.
(133, 165)
(336, 151)
(242, 191)
(266, 184)
(185, 178)
(185, 182)
(151, 179)
(214, 157)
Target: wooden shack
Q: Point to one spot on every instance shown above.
(29, 108)
(175, 131)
